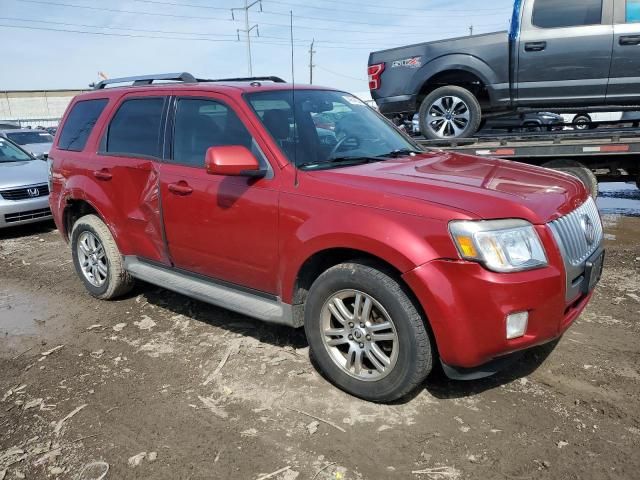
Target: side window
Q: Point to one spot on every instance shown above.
(567, 13)
(200, 124)
(136, 128)
(79, 124)
(633, 11)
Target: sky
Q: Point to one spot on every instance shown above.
(52, 44)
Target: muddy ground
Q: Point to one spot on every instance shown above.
(158, 386)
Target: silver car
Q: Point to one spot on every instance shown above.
(36, 142)
(24, 186)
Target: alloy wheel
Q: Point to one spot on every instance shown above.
(448, 117)
(92, 259)
(359, 335)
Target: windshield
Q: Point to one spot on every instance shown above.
(330, 127)
(11, 153)
(26, 138)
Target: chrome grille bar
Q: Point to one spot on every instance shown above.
(569, 231)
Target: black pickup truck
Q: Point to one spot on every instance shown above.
(568, 55)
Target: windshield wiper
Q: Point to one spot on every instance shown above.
(402, 152)
(339, 162)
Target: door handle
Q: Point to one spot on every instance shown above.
(535, 46)
(630, 40)
(180, 188)
(103, 174)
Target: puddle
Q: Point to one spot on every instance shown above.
(619, 199)
(25, 320)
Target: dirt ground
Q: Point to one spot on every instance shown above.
(162, 387)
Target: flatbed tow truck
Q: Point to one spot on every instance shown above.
(609, 154)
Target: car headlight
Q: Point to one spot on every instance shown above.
(501, 245)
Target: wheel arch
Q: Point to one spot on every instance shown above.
(459, 70)
(321, 261)
(74, 209)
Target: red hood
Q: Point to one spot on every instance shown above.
(486, 188)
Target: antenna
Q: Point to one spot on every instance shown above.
(293, 104)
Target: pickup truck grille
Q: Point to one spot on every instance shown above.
(28, 215)
(579, 234)
(25, 193)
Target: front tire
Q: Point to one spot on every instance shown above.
(578, 170)
(97, 259)
(365, 333)
(450, 112)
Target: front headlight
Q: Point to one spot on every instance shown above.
(501, 245)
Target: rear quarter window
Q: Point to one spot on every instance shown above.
(79, 124)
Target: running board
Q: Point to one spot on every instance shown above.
(271, 310)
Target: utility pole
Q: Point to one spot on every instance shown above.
(471, 30)
(247, 29)
(311, 65)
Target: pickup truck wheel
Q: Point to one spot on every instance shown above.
(97, 259)
(450, 112)
(365, 333)
(579, 171)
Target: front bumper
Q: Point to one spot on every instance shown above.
(22, 212)
(467, 307)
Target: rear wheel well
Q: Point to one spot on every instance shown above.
(458, 78)
(75, 210)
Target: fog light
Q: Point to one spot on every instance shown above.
(517, 325)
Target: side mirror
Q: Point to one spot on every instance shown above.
(234, 160)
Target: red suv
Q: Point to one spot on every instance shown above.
(391, 257)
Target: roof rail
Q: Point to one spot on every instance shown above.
(148, 79)
(245, 79)
(183, 77)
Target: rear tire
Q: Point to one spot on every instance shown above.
(351, 345)
(578, 170)
(97, 259)
(450, 112)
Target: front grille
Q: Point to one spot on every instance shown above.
(572, 233)
(25, 193)
(28, 215)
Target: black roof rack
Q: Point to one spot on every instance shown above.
(246, 79)
(183, 77)
(148, 79)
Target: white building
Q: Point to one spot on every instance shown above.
(32, 108)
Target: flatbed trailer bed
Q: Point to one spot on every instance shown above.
(609, 154)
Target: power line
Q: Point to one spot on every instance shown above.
(436, 14)
(330, 43)
(341, 74)
(25, 27)
(377, 5)
(162, 37)
(201, 17)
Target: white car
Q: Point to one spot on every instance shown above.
(586, 121)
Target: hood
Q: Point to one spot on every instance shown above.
(37, 149)
(22, 174)
(480, 187)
